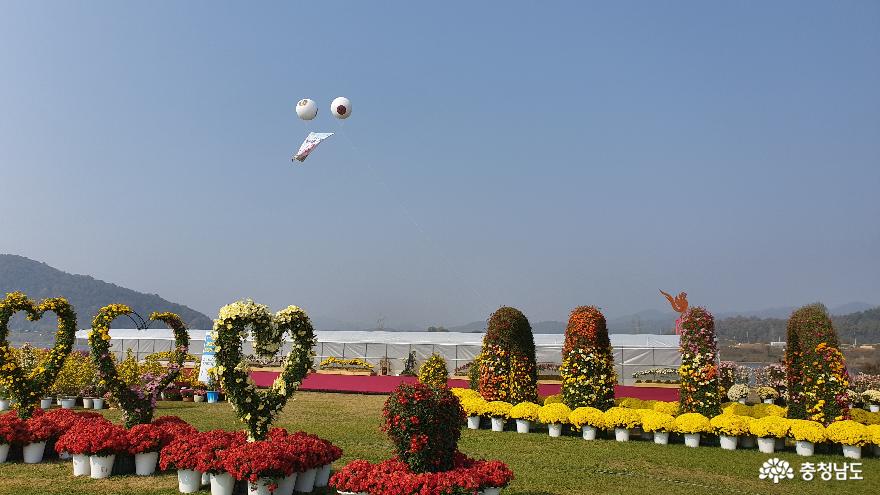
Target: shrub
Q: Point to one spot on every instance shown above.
(474, 374)
(424, 424)
(806, 431)
(692, 423)
(767, 393)
(657, 421)
(473, 406)
(554, 413)
(738, 391)
(871, 396)
(730, 425)
(433, 372)
(816, 369)
(587, 369)
(587, 416)
(698, 391)
(769, 426)
(621, 417)
(498, 409)
(553, 399)
(507, 362)
(525, 410)
(847, 432)
(864, 417)
(409, 367)
(670, 408)
(761, 410)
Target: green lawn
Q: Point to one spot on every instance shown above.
(543, 465)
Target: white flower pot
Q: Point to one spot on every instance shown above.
(852, 451)
(473, 422)
(4, 452)
(68, 403)
(322, 479)
(621, 434)
(81, 465)
(145, 463)
(45, 403)
(554, 429)
(742, 401)
(198, 398)
(766, 445)
(588, 432)
(492, 490)
(646, 435)
(747, 442)
(4, 404)
(101, 466)
(97, 403)
(728, 442)
(876, 450)
(33, 452)
(497, 423)
(523, 426)
(223, 484)
(874, 407)
(285, 485)
(261, 487)
(804, 448)
(64, 456)
(780, 444)
(305, 482)
(768, 401)
(87, 402)
(661, 437)
(206, 479)
(188, 480)
(57, 401)
(692, 439)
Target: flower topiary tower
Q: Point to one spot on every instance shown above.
(587, 369)
(699, 391)
(815, 367)
(507, 362)
(434, 372)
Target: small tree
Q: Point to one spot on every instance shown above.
(587, 369)
(699, 391)
(433, 372)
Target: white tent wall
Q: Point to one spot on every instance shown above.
(632, 352)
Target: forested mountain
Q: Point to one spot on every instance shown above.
(39, 280)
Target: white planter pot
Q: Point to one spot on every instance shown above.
(804, 448)
(206, 479)
(33, 452)
(497, 424)
(81, 465)
(68, 403)
(223, 484)
(742, 401)
(305, 482)
(747, 442)
(4, 452)
(780, 444)
(198, 398)
(4, 404)
(322, 479)
(474, 422)
(45, 403)
(57, 401)
(261, 487)
(766, 445)
(621, 434)
(554, 429)
(286, 485)
(145, 463)
(101, 466)
(692, 439)
(768, 401)
(661, 437)
(852, 451)
(523, 426)
(87, 403)
(64, 456)
(588, 432)
(646, 435)
(874, 407)
(492, 490)
(188, 480)
(97, 403)
(728, 442)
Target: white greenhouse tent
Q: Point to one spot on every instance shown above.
(632, 352)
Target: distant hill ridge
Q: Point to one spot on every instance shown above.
(39, 280)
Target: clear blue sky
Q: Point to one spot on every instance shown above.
(537, 155)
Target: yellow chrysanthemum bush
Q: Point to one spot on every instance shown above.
(525, 410)
(847, 432)
(633, 403)
(621, 417)
(473, 406)
(554, 413)
(815, 367)
(657, 421)
(691, 423)
(508, 370)
(77, 373)
(806, 431)
(873, 434)
(434, 372)
(761, 410)
(587, 416)
(670, 408)
(462, 393)
(769, 426)
(497, 409)
(587, 369)
(736, 408)
(553, 399)
(698, 390)
(864, 417)
(731, 425)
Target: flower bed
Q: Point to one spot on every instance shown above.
(339, 364)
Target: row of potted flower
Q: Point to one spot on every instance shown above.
(28, 439)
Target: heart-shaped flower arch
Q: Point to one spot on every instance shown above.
(257, 408)
(27, 390)
(137, 403)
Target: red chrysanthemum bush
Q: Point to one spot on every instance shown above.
(698, 390)
(815, 367)
(92, 436)
(424, 424)
(74, 439)
(148, 438)
(508, 371)
(251, 461)
(181, 453)
(213, 444)
(41, 427)
(587, 369)
(12, 429)
(305, 451)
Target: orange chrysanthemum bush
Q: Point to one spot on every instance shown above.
(815, 368)
(698, 391)
(507, 362)
(587, 369)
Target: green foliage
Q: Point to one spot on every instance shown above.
(434, 372)
(474, 374)
(409, 368)
(508, 371)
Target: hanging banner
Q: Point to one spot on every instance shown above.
(311, 142)
(209, 359)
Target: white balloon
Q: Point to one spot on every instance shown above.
(341, 107)
(306, 109)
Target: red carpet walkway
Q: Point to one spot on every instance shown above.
(385, 384)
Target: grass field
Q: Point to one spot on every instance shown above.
(543, 465)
